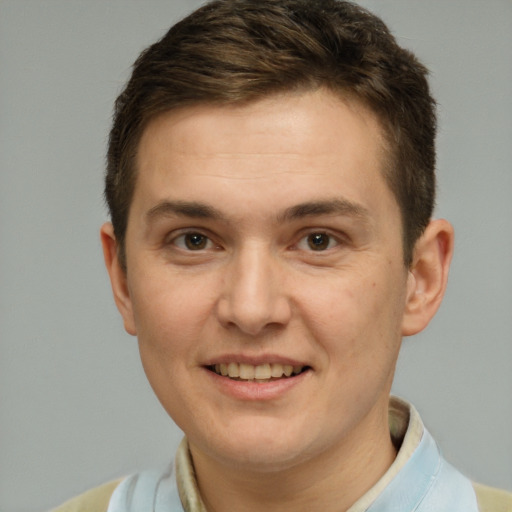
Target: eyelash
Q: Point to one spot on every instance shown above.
(332, 241)
(315, 238)
(183, 238)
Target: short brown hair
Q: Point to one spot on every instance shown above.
(237, 51)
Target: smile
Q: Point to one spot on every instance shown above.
(258, 373)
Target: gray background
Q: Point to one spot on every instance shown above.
(75, 407)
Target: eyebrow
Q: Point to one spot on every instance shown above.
(190, 209)
(197, 210)
(325, 207)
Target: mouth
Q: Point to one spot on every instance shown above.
(257, 373)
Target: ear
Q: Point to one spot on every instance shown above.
(428, 276)
(118, 277)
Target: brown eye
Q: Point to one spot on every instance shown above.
(193, 242)
(318, 241)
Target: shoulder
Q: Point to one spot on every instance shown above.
(493, 500)
(96, 499)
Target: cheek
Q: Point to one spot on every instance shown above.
(357, 317)
(169, 313)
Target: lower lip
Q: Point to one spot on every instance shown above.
(248, 390)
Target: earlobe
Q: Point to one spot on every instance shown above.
(428, 276)
(118, 278)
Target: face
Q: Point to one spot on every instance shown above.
(265, 277)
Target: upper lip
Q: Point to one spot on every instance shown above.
(254, 360)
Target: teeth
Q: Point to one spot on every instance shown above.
(247, 371)
(277, 370)
(233, 370)
(262, 372)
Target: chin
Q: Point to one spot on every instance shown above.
(262, 459)
(266, 447)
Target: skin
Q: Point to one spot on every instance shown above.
(253, 187)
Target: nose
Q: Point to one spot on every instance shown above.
(253, 298)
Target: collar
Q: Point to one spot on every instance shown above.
(406, 429)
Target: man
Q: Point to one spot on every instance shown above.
(271, 186)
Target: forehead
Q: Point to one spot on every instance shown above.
(307, 124)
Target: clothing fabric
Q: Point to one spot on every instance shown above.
(94, 500)
(419, 480)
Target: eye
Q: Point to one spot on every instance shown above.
(317, 242)
(193, 242)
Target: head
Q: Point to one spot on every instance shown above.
(270, 171)
(234, 52)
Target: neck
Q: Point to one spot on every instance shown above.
(331, 481)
